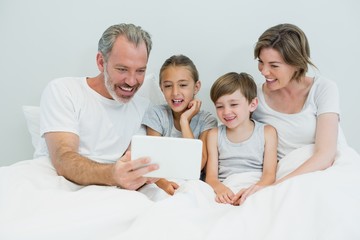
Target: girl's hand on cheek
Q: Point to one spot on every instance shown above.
(193, 108)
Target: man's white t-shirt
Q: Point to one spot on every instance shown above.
(104, 126)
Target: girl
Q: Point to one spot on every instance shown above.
(181, 116)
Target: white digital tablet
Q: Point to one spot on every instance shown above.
(178, 158)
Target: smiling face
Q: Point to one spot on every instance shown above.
(277, 73)
(124, 71)
(178, 87)
(234, 110)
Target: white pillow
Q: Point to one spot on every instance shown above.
(32, 117)
(150, 89)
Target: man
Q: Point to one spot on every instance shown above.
(87, 123)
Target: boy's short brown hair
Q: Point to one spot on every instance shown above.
(231, 82)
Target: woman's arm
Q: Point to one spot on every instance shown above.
(326, 136)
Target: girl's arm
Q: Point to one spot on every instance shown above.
(326, 136)
(193, 109)
(185, 119)
(151, 132)
(203, 138)
(223, 193)
(168, 186)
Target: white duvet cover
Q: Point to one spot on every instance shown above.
(35, 203)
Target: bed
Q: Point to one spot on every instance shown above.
(36, 203)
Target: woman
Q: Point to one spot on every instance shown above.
(303, 109)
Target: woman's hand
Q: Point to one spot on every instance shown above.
(241, 196)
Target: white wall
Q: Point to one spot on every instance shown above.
(43, 39)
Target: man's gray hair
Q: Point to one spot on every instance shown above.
(133, 33)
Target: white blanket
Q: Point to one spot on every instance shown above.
(35, 203)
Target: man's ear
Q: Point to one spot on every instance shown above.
(197, 87)
(254, 103)
(100, 61)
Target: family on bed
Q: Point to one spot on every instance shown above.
(87, 122)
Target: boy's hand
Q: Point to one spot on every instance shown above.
(224, 195)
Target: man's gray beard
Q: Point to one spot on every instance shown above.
(110, 89)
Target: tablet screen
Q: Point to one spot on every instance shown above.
(177, 157)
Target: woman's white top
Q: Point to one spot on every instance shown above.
(298, 129)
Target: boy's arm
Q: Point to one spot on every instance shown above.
(270, 157)
(223, 193)
(269, 167)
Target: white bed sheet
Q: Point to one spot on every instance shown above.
(35, 203)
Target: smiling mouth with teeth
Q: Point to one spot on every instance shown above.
(177, 101)
(229, 118)
(126, 89)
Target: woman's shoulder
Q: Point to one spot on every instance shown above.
(324, 85)
(322, 81)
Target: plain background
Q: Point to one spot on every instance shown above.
(42, 39)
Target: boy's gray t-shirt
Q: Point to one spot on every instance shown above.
(160, 118)
(246, 156)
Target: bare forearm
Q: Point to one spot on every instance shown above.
(186, 130)
(161, 182)
(82, 170)
(214, 183)
(266, 180)
(317, 162)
